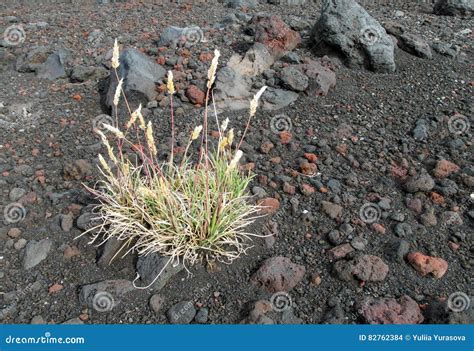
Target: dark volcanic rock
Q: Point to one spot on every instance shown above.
(104, 296)
(140, 74)
(408, 42)
(150, 266)
(454, 7)
(421, 182)
(346, 28)
(181, 313)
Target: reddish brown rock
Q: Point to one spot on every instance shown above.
(71, 251)
(308, 168)
(311, 157)
(391, 311)
(266, 147)
(14, 233)
(195, 95)
(278, 274)
(332, 210)
(341, 251)
(285, 137)
(307, 189)
(445, 168)
(77, 170)
(424, 264)
(269, 205)
(369, 268)
(288, 188)
(272, 32)
(378, 228)
(55, 288)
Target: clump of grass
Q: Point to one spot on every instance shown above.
(193, 210)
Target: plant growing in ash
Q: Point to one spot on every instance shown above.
(190, 210)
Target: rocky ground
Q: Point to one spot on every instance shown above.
(362, 149)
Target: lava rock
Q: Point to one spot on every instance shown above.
(105, 295)
(421, 182)
(426, 264)
(255, 61)
(36, 252)
(391, 311)
(454, 7)
(140, 74)
(181, 313)
(275, 35)
(156, 303)
(275, 99)
(444, 169)
(408, 42)
(278, 274)
(202, 315)
(294, 79)
(86, 73)
(346, 27)
(54, 66)
(149, 266)
(232, 90)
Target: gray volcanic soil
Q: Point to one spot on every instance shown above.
(374, 115)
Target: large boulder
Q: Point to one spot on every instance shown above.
(31, 60)
(232, 90)
(140, 74)
(347, 30)
(55, 66)
(256, 60)
(454, 7)
(275, 99)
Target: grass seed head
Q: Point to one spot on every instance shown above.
(115, 55)
(169, 83)
(118, 91)
(254, 102)
(150, 140)
(211, 73)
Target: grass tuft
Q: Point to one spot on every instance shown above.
(188, 211)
